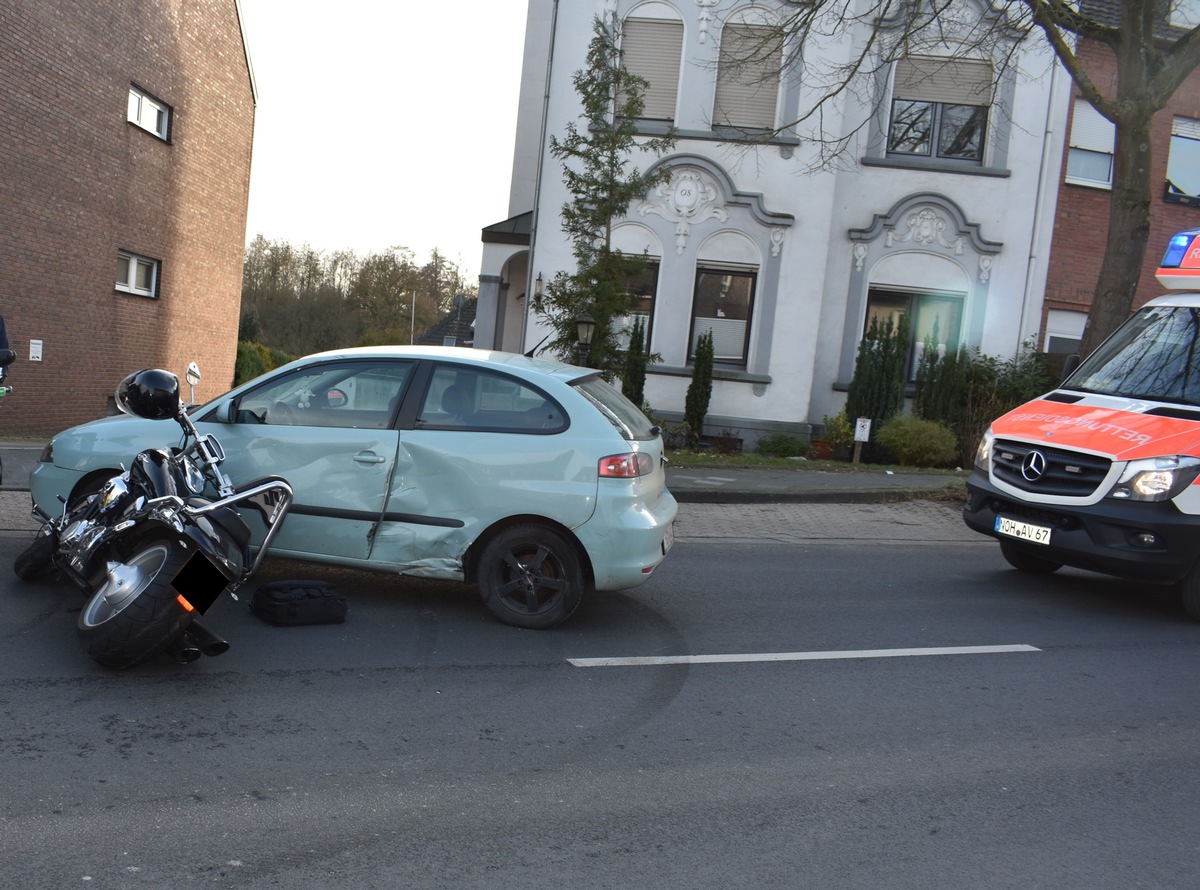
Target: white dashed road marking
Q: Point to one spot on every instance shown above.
(655, 660)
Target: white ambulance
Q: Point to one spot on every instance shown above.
(1102, 473)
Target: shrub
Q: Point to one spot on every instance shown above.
(780, 445)
(966, 390)
(633, 374)
(877, 388)
(699, 392)
(919, 443)
(249, 363)
(839, 431)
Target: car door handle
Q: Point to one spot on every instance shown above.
(368, 457)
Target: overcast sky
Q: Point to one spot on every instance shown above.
(383, 123)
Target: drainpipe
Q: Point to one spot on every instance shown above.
(1047, 147)
(537, 182)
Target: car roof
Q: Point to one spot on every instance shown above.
(467, 355)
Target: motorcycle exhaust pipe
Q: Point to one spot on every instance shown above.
(205, 640)
(183, 650)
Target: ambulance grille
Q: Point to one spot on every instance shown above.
(1066, 473)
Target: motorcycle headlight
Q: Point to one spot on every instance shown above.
(1156, 478)
(983, 454)
(192, 477)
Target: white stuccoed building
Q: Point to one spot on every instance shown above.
(942, 208)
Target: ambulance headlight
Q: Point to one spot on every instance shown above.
(983, 454)
(1156, 478)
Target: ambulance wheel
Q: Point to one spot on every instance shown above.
(1024, 561)
(1189, 593)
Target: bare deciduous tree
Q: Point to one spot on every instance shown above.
(843, 51)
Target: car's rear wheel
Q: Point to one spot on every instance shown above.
(531, 576)
(1025, 561)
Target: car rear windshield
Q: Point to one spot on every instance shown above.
(621, 413)
(1154, 355)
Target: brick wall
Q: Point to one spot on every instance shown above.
(80, 183)
(1081, 218)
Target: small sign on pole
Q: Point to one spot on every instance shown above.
(862, 433)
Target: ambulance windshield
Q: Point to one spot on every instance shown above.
(1155, 355)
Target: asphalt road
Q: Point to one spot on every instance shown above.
(421, 744)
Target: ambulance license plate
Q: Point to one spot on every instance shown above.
(1025, 531)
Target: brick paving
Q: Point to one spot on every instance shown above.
(916, 521)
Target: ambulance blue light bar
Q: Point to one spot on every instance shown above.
(1180, 266)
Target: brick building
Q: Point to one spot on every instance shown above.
(125, 142)
(1081, 217)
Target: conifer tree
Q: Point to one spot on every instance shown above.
(597, 157)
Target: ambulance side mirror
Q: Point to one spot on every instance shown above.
(1073, 361)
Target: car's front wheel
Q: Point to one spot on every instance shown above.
(1189, 593)
(531, 576)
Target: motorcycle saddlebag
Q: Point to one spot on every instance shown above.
(293, 603)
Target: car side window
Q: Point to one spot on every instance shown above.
(358, 395)
(470, 398)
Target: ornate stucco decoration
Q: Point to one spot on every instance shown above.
(776, 240)
(706, 16)
(924, 226)
(688, 198)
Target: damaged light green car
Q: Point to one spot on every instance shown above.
(535, 480)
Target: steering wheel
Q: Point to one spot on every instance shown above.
(281, 414)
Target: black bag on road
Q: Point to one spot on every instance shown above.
(293, 603)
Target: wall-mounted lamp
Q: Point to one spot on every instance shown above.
(537, 285)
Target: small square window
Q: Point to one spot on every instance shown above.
(149, 113)
(137, 275)
(1183, 162)
(1090, 148)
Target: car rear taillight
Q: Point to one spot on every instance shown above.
(627, 466)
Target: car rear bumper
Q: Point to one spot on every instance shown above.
(626, 538)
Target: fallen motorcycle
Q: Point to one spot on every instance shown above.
(154, 547)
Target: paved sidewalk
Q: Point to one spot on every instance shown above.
(725, 505)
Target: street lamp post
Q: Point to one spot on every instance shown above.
(585, 328)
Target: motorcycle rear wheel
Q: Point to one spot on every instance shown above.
(134, 614)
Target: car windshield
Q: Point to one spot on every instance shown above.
(621, 413)
(1154, 355)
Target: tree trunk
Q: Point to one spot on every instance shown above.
(1129, 209)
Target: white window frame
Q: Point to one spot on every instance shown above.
(747, 91)
(731, 336)
(1092, 135)
(1185, 137)
(132, 263)
(652, 48)
(1185, 13)
(941, 84)
(149, 113)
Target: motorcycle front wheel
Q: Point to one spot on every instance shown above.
(135, 613)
